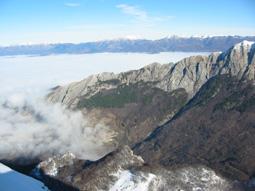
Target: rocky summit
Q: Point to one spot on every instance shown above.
(180, 126)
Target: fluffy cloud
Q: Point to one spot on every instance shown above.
(36, 129)
(141, 15)
(72, 4)
(133, 11)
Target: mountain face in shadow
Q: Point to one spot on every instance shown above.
(216, 129)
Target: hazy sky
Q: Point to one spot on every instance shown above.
(43, 21)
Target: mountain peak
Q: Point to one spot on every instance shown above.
(244, 44)
(239, 60)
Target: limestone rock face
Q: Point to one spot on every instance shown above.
(70, 94)
(239, 60)
(190, 73)
(160, 91)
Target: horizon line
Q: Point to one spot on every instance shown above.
(124, 38)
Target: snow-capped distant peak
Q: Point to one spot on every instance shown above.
(173, 36)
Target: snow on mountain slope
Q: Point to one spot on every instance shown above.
(11, 180)
(196, 178)
(126, 181)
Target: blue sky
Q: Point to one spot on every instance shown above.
(50, 21)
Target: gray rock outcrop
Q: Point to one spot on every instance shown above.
(165, 87)
(190, 73)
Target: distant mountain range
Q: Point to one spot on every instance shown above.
(174, 43)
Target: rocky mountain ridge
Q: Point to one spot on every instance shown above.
(189, 73)
(120, 97)
(206, 143)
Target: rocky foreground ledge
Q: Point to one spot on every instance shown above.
(122, 170)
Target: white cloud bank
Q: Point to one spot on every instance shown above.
(29, 127)
(33, 128)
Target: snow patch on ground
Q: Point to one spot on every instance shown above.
(197, 178)
(11, 180)
(51, 166)
(126, 181)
